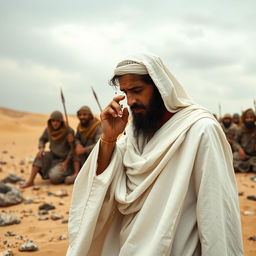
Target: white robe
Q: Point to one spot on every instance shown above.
(175, 195)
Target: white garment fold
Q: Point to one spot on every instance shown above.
(176, 195)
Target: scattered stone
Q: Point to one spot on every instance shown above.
(30, 160)
(64, 221)
(43, 218)
(22, 162)
(3, 162)
(47, 206)
(12, 157)
(28, 246)
(43, 212)
(6, 253)
(241, 193)
(36, 188)
(9, 195)
(22, 171)
(61, 193)
(19, 237)
(28, 201)
(9, 233)
(49, 193)
(5, 242)
(251, 198)
(63, 237)
(56, 216)
(253, 238)
(12, 178)
(4, 151)
(1, 169)
(8, 219)
(253, 178)
(61, 202)
(246, 213)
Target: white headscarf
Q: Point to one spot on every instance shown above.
(173, 94)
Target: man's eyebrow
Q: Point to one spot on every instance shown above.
(133, 88)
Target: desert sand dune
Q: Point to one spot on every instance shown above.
(19, 133)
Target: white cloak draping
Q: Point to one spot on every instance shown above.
(175, 195)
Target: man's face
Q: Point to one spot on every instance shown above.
(226, 122)
(145, 103)
(56, 124)
(84, 118)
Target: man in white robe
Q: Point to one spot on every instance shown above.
(166, 186)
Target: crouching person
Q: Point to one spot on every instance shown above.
(55, 164)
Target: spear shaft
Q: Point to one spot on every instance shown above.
(96, 98)
(64, 106)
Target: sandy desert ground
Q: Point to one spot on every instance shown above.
(19, 133)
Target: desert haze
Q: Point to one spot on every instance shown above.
(19, 134)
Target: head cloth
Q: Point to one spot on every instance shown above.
(174, 96)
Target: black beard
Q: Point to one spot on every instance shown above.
(147, 123)
(85, 122)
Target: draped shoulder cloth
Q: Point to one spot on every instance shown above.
(177, 196)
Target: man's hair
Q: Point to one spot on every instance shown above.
(145, 78)
(246, 113)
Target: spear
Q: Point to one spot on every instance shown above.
(96, 98)
(219, 111)
(64, 105)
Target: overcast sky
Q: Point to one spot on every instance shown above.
(209, 46)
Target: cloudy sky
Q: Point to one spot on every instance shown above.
(209, 46)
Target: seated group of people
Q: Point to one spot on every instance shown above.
(67, 150)
(242, 139)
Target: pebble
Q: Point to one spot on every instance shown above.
(47, 206)
(64, 221)
(12, 178)
(246, 213)
(251, 198)
(253, 178)
(28, 246)
(63, 237)
(19, 237)
(43, 212)
(61, 193)
(22, 162)
(253, 238)
(7, 253)
(56, 216)
(8, 219)
(41, 218)
(9, 233)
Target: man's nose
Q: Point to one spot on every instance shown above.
(130, 100)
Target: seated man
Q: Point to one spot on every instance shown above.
(87, 134)
(245, 144)
(229, 129)
(54, 164)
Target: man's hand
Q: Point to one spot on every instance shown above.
(114, 119)
(40, 153)
(64, 165)
(80, 150)
(242, 154)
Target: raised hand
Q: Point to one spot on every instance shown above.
(114, 119)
